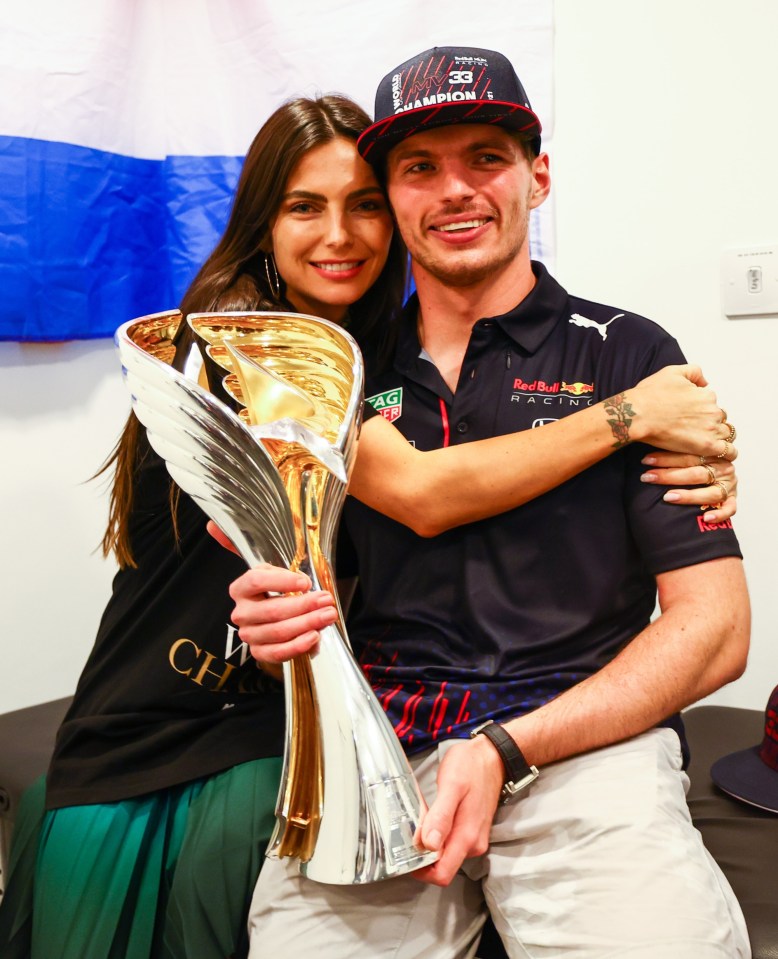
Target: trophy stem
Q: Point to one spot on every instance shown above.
(300, 802)
(350, 807)
(371, 805)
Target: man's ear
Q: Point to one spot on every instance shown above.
(541, 180)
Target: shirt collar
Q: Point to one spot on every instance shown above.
(528, 324)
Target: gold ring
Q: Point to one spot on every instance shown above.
(725, 452)
(724, 416)
(711, 474)
(732, 432)
(703, 461)
(723, 487)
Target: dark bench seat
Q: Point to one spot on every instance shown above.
(742, 839)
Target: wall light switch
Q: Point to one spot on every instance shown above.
(749, 281)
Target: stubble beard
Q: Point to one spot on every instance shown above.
(458, 271)
(461, 273)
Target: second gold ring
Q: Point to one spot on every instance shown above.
(723, 487)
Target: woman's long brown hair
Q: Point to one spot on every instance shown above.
(233, 278)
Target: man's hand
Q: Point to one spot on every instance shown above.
(458, 823)
(279, 627)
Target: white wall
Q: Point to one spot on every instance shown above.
(664, 154)
(665, 148)
(61, 409)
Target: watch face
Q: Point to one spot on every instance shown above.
(520, 773)
(511, 789)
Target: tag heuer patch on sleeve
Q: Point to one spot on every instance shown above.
(389, 404)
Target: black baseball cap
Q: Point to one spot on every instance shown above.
(751, 775)
(447, 85)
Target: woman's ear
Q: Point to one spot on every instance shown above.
(265, 244)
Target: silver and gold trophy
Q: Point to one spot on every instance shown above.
(273, 477)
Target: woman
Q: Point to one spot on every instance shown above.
(159, 798)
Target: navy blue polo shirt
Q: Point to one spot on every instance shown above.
(495, 618)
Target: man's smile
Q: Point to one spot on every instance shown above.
(460, 225)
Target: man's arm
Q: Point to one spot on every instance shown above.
(698, 644)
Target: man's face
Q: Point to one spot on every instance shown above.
(461, 196)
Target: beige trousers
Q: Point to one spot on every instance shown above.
(599, 859)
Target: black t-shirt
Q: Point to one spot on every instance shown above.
(495, 618)
(169, 693)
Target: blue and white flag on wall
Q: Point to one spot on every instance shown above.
(123, 126)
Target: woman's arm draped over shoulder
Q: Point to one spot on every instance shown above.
(436, 490)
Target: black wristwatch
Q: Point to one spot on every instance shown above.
(519, 774)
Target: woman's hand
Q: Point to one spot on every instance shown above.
(277, 614)
(715, 479)
(675, 409)
(221, 538)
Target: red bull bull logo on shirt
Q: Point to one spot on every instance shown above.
(559, 391)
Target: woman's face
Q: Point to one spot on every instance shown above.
(332, 231)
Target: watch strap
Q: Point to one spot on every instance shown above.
(519, 773)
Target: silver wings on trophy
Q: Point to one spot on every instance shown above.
(273, 477)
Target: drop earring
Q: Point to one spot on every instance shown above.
(273, 279)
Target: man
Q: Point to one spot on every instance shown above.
(531, 630)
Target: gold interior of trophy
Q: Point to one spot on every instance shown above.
(155, 334)
(290, 366)
(308, 357)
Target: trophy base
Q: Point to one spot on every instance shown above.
(419, 858)
(349, 808)
(384, 846)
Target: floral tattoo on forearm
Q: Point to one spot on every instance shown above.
(620, 414)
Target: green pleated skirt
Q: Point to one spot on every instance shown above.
(168, 875)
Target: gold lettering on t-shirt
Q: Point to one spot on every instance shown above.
(254, 681)
(177, 645)
(204, 671)
(197, 664)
